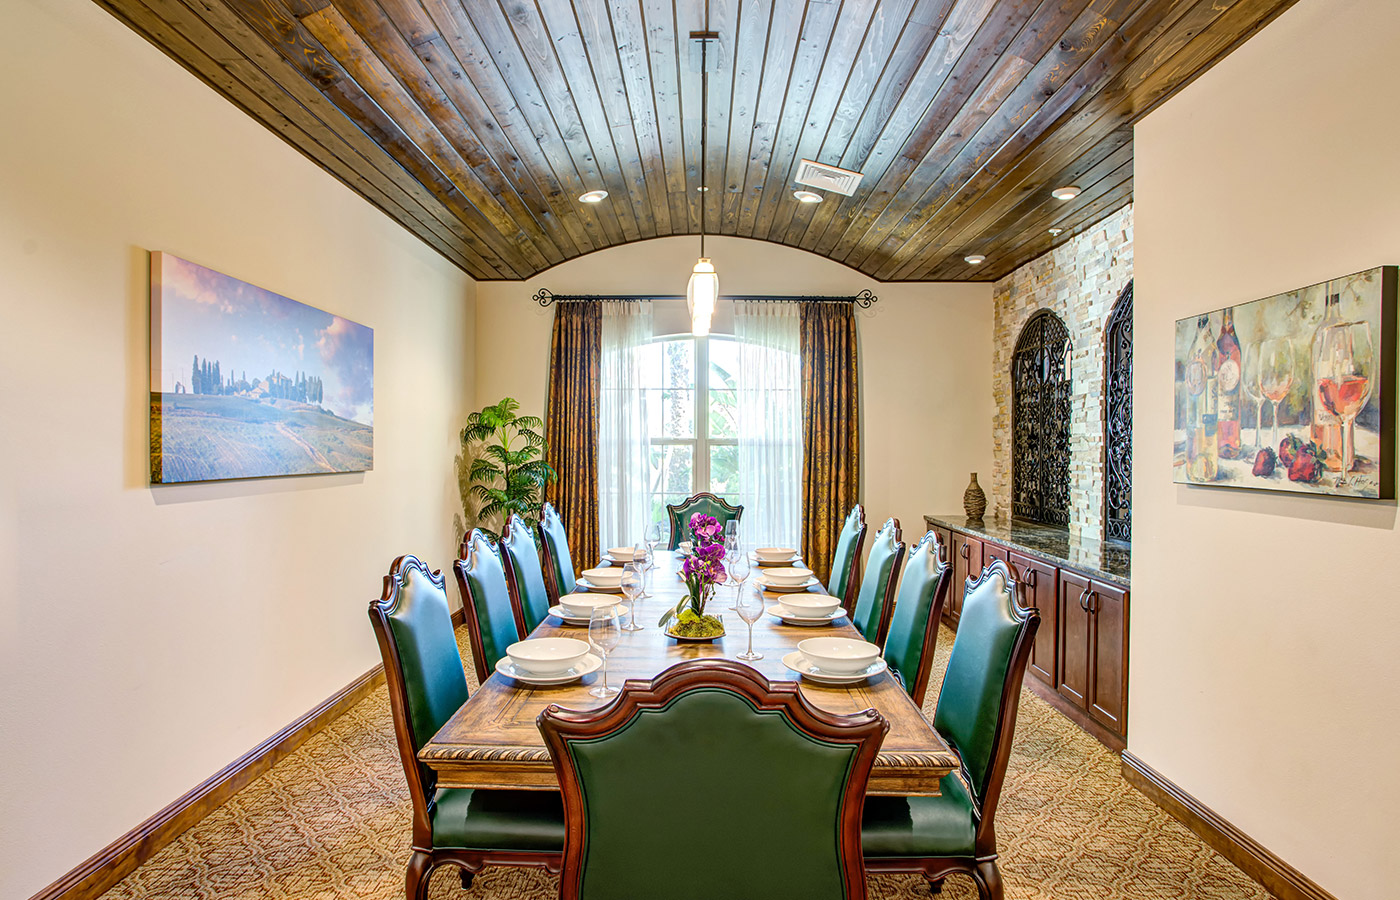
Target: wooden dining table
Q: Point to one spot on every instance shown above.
(492, 741)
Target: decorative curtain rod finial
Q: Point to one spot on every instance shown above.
(544, 297)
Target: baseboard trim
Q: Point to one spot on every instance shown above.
(1254, 859)
(459, 616)
(117, 860)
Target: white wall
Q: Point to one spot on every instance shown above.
(151, 636)
(926, 395)
(1264, 654)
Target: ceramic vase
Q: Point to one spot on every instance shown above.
(974, 500)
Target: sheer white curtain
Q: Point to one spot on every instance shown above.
(770, 421)
(623, 452)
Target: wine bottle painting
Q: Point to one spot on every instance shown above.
(1293, 392)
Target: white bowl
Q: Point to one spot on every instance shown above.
(839, 656)
(788, 576)
(685, 547)
(623, 553)
(547, 656)
(810, 606)
(774, 554)
(609, 577)
(582, 605)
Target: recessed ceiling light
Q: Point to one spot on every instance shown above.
(1065, 193)
(975, 259)
(1055, 231)
(807, 196)
(703, 189)
(593, 197)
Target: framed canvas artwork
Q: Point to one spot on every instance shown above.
(246, 383)
(1294, 392)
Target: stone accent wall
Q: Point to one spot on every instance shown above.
(1078, 281)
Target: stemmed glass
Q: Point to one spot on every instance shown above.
(645, 562)
(631, 588)
(652, 537)
(1346, 363)
(1276, 373)
(604, 632)
(731, 534)
(750, 607)
(738, 565)
(1252, 387)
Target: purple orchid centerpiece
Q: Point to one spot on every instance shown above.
(702, 570)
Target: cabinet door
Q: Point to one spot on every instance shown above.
(1039, 587)
(967, 561)
(943, 537)
(992, 551)
(1108, 654)
(1072, 680)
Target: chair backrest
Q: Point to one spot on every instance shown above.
(709, 781)
(423, 669)
(976, 711)
(558, 563)
(490, 620)
(849, 543)
(529, 599)
(914, 622)
(871, 614)
(703, 502)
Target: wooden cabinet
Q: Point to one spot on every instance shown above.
(1039, 583)
(965, 553)
(1094, 648)
(992, 551)
(1072, 680)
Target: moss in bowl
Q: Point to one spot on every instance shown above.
(690, 625)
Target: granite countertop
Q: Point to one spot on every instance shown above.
(1104, 560)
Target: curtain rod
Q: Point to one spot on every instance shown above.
(865, 299)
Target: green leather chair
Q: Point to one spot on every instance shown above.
(703, 502)
(529, 599)
(914, 623)
(423, 669)
(976, 715)
(558, 563)
(491, 624)
(843, 582)
(710, 782)
(871, 613)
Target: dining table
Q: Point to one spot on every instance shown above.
(493, 741)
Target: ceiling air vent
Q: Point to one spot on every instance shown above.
(828, 178)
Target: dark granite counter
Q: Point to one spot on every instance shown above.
(1098, 559)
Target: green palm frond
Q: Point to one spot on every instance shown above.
(508, 471)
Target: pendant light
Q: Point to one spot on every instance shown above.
(702, 293)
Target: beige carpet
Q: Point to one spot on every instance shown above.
(332, 820)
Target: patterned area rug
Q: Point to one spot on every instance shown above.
(332, 821)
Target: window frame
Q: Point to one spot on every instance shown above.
(701, 443)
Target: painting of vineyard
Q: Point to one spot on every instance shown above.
(246, 383)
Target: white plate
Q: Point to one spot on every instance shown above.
(590, 663)
(786, 588)
(782, 612)
(773, 564)
(585, 584)
(800, 664)
(566, 617)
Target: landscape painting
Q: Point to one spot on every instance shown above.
(246, 383)
(1293, 392)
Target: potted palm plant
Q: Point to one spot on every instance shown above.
(508, 471)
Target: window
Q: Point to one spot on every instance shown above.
(1040, 388)
(692, 400)
(1118, 420)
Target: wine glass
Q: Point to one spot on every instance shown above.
(631, 589)
(731, 534)
(604, 632)
(738, 566)
(1276, 373)
(653, 536)
(1345, 365)
(1252, 387)
(642, 558)
(750, 607)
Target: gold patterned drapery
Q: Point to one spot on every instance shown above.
(830, 428)
(571, 423)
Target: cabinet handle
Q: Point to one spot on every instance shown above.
(963, 551)
(1031, 578)
(1093, 601)
(1084, 600)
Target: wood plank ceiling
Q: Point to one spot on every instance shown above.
(477, 123)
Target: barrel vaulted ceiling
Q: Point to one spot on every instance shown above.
(478, 123)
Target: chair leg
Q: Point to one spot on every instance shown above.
(466, 878)
(989, 880)
(935, 886)
(420, 871)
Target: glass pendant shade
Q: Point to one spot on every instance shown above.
(701, 295)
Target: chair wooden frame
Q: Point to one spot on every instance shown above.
(864, 730)
(887, 597)
(551, 581)
(425, 857)
(982, 865)
(853, 578)
(940, 597)
(674, 511)
(514, 528)
(474, 543)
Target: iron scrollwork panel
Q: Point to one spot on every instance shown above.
(1118, 420)
(1040, 382)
